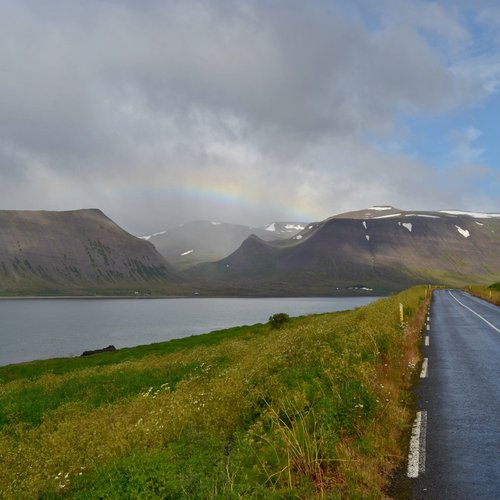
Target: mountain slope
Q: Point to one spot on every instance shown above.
(380, 250)
(205, 241)
(75, 251)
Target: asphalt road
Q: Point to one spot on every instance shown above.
(460, 397)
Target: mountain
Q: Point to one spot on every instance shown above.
(284, 229)
(375, 250)
(76, 251)
(207, 241)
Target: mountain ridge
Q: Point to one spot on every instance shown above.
(199, 241)
(75, 250)
(377, 251)
(355, 251)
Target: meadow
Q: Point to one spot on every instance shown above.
(319, 407)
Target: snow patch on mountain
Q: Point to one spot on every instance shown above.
(364, 224)
(271, 227)
(386, 216)
(295, 227)
(379, 208)
(423, 215)
(148, 237)
(476, 215)
(464, 232)
(187, 253)
(407, 225)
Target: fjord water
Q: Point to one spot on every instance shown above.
(47, 328)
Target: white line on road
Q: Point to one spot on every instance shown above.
(474, 312)
(416, 453)
(423, 373)
(426, 340)
(428, 327)
(423, 437)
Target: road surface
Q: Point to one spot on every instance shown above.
(456, 440)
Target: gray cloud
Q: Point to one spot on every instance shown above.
(128, 105)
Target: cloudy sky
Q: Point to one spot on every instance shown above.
(160, 111)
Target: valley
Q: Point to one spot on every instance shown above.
(374, 251)
(208, 241)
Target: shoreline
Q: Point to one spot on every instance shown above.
(78, 297)
(144, 297)
(121, 323)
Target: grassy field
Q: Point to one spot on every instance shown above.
(317, 408)
(490, 293)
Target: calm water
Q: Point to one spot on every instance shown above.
(39, 329)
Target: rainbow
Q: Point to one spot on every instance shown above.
(231, 194)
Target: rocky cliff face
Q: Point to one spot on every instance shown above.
(75, 250)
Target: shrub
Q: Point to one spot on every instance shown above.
(278, 320)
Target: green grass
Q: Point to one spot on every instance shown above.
(31, 402)
(59, 366)
(249, 412)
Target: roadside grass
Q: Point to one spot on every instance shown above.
(317, 408)
(490, 293)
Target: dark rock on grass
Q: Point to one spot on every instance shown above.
(110, 348)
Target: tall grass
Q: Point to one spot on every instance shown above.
(317, 408)
(491, 293)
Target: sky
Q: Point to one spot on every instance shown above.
(161, 112)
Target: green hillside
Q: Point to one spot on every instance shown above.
(254, 411)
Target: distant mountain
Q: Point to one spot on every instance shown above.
(285, 229)
(207, 241)
(374, 250)
(76, 251)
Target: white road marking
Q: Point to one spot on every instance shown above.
(474, 312)
(416, 453)
(423, 373)
(428, 327)
(423, 441)
(426, 340)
